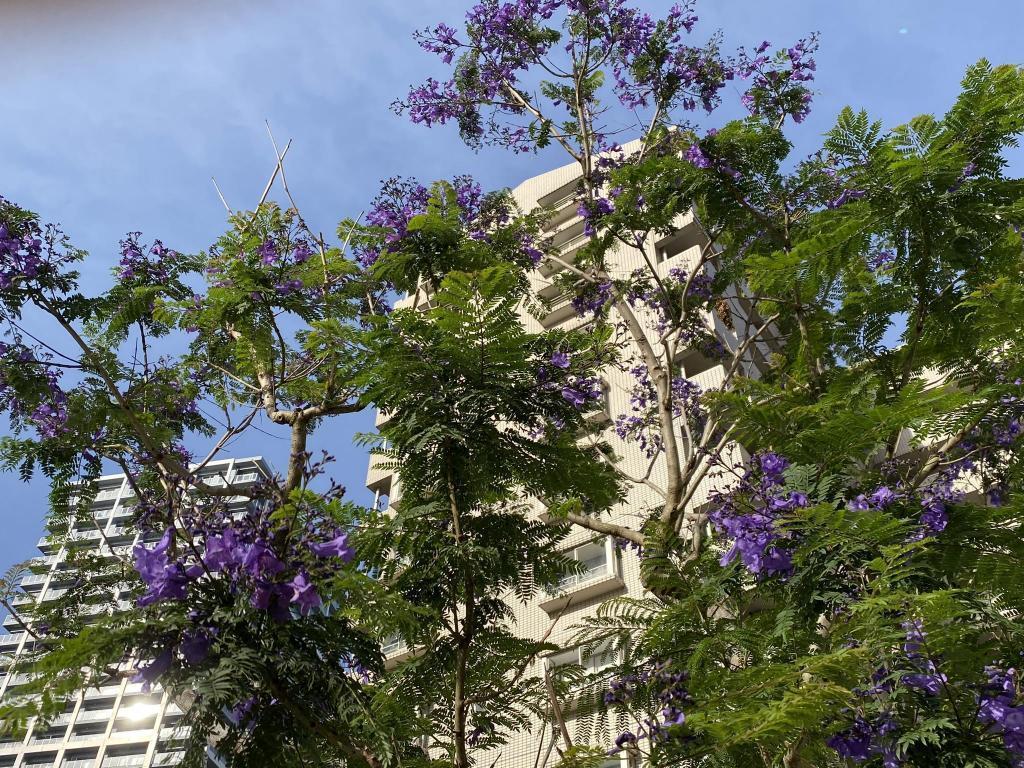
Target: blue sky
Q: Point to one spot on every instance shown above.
(117, 113)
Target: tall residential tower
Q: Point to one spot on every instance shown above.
(117, 725)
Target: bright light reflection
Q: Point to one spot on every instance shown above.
(139, 711)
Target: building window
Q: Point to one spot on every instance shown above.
(393, 644)
(597, 560)
(592, 659)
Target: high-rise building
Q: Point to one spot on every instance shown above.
(116, 725)
(609, 570)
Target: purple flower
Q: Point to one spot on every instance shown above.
(930, 683)
(304, 594)
(336, 547)
(560, 360)
(260, 560)
(575, 397)
(273, 598)
(882, 497)
(223, 551)
(773, 465)
(165, 580)
(152, 672)
(855, 742)
(859, 504)
(195, 646)
(846, 196)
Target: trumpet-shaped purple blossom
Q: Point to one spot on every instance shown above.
(335, 547)
(748, 516)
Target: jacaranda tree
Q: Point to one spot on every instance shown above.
(850, 593)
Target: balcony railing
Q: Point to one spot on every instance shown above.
(123, 761)
(393, 645)
(600, 574)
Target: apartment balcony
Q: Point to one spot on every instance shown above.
(79, 762)
(179, 733)
(134, 735)
(45, 544)
(121, 513)
(89, 534)
(94, 715)
(103, 692)
(39, 741)
(559, 310)
(61, 576)
(90, 736)
(395, 650)
(11, 639)
(123, 761)
(164, 759)
(566, 255)
(34, 579)
(121, 533)
(379, 478)
(601, 575)
(107, 494)
(53, 594)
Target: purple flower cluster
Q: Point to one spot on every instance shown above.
(245, 552)
(1001, 708)
(28, 253)
(642, 424)
(577, 390)
(970, 170)
(999, 705)
(652, 64)
(592, 298)
(500, 44)
(672, 303)
(778, 87)
(865, 739)
(933, 500)
(880, 498)
(21, 258)
(696, 155)
(844, 197)
(274, 567)
(273, 271)
(881, 260)
(748, 515)
(137, 266)
(658, 688)
(592, 211)
(402, 199)
(924, 676)
(30, 390)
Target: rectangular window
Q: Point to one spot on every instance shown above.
(596, 660)
(596, 559)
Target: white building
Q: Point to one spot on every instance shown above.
(116, 725)
(609, 570)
